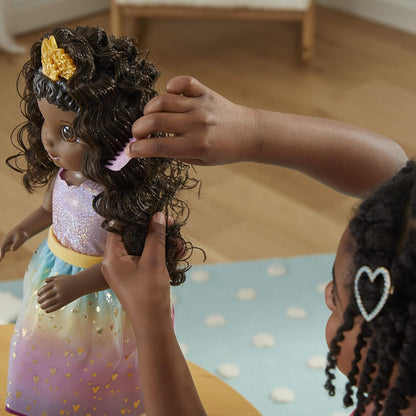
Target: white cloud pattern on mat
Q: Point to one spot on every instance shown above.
(276, 270)
(282, 395)
(295, 312)
(264, 341)
(200, 276)
(215, 320)
(317, 362)
(228, 370)
(247, 293)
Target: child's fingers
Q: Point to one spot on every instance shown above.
(177, 147)
(159, 121)
(170, 221)
(185, 85)
(170, 103)
(114, 248)
(114, 255)
(154, 247)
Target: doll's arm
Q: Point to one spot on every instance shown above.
(210, 130)
(143, 287)
(60, 290)
(36, 222)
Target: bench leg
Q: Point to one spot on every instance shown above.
(115, 19)
(308, 33)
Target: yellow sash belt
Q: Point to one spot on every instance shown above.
(70, 256)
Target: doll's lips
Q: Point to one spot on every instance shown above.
(53, 157)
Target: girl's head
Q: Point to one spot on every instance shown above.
(101, 86)
(378, 355)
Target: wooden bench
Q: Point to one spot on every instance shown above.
(302, 11)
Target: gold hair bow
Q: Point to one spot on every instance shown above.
(55, 62)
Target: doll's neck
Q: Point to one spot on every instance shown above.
(72, 177)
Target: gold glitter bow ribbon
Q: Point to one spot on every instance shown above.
(55, 62)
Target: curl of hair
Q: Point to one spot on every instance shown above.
(112, 83)
(384, 231)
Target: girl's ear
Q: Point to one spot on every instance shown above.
(330, 296)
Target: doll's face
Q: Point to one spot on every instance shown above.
(337, 298)
(58, 137)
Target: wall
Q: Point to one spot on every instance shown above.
(28, 15)
(400, 14)
(25, 15)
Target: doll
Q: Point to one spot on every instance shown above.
(73, 349)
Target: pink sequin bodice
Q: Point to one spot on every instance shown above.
(75, 223)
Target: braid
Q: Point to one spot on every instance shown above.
(384, 230)
(369, 368)
(335, 350)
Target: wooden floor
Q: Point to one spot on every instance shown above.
(363, 73)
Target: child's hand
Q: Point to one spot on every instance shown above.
(209, 130)
(12, 241)
(57, 292)
(141, 284)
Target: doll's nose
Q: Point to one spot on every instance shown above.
(46, 137)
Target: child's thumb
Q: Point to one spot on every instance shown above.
(154, 246)
(114, 249)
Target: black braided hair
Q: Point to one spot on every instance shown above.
(112, 83)
(384, 231)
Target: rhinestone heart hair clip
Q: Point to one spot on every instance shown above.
(372, 275)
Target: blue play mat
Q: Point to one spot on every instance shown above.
(260, 326)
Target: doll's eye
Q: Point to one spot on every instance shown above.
(68, 134)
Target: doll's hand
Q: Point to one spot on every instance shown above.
(141, 284)
(57, 292)
(209, 129)
(12, 241)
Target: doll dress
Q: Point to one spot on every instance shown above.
(81, 359)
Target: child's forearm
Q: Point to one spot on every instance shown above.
(164, 373)
(345, 157)
(210, 130)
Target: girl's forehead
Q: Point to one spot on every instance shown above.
(343, 260)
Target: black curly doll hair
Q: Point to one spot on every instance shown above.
(112, 83)
(384, 234)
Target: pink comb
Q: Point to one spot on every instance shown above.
(121, 158)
